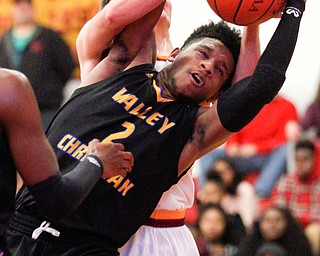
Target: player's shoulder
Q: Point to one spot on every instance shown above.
(13, 79)
(15, 87)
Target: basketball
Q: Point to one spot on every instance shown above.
(246, 12)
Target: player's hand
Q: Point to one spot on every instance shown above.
(280, 11)
(282, 8)
(115, 160)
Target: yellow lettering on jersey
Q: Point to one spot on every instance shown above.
(126, 186)
(136, 110)
(64, 139)
(166, 125)
(119, 94)
(80, 152)
(116, 180)
(72, 145)
(151, 119)
(129, 101)
(142, 114)
(154, 117)
(121, 135)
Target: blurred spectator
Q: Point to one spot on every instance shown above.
(262, 144)
(311, 119)
(41, 54)
(271, 249)
(300, 192)
(239, 197)
(213, 192)
(277, 233)
(215, 235)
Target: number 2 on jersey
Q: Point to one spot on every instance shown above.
(130, 127)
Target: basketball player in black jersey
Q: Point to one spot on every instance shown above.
(155, 115)
(25, 148)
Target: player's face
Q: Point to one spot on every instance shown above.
(199, 71)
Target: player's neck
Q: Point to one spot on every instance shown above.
(162, 82)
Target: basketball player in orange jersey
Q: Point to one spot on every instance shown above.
(24, 147)
(156, 115)
(165, 233)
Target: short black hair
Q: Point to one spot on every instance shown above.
(305, 144)
(230, 37)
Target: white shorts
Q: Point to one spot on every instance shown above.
(151, 241)
(166, 234)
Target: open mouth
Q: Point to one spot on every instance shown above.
(197, 79)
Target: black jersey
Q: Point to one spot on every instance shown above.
(127, 109)
(8, 182)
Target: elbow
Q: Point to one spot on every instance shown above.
(114, 21)
(110, 18)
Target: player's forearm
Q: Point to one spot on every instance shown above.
(134, 46)
(242, 102)
(279, 51)
(100, 31)
(124, 12)
(60, 195)
(249, 53)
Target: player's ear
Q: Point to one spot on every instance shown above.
(174, 53)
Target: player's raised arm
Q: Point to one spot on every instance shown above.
(101, 31)
(249, 53)
(243, 101)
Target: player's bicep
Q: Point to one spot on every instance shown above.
(33, 156)
(96, 35)
(133, 46)
(207, 135)
(136, 42)
(30, 149)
